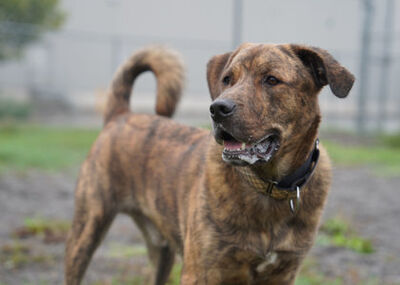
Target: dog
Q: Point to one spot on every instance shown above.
(240, 204)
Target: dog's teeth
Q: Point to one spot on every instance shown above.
(243, 146)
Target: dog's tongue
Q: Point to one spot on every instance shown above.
(232, 145)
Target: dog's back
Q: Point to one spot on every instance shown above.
(145, 151)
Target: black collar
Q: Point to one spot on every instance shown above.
(301, 175)
(290, 186)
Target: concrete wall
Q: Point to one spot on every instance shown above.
(77, 63)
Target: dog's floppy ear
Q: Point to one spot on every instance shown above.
(325, 69)
(214, 69)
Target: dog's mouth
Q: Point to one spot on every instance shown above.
(241, 153)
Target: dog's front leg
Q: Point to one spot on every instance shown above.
(195, 276)
(193, 271)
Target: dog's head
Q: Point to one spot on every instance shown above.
(263, 95)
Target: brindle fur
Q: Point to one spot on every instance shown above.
(172, 181)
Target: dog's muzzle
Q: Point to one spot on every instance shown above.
(236, 151)
(243, 154)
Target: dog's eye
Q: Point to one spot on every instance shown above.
(271, 80)
(226, 80)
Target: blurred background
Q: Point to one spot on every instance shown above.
(57, 58)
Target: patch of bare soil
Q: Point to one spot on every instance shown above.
(370, 203)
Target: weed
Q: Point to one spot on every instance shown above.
(125, 251)
(316, 279)
(310, 275)
(51, 231)
(337, 232)
(17, 255)
(138, 280)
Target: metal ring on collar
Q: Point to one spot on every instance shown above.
(294, 207)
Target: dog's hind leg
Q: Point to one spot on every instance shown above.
(92, 219)
(160, 253)
(165, 263)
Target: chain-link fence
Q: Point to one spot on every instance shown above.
(74, 66)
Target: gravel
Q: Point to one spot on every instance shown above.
(368, 201)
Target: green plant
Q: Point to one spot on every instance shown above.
(13, 110)
(337, 232)
(310, 275)
(23, 22)
(16, 255)
(137, 280)
(48, 229)
(126, 251)
(392, 141)
(175, 276)
(40, 225)
(315, 279)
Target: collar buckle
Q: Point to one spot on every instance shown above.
(271, 185)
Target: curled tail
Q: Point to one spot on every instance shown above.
(168, 69)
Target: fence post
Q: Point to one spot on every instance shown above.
(364, 66)
(237, 23)
(385, 64)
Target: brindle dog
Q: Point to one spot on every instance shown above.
(201, 194)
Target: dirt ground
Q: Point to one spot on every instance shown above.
(370, 202)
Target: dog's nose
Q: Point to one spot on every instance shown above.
(222, 109)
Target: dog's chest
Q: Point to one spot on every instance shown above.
(257, 268)
(270, 260)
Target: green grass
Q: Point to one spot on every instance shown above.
(175, 276)
(13, 110)
(47, 148)
(118, 250)
(338, 232)
(311, 274)
(16, 255)
(126, 277)
(25, 147)
(125, 280)
(316, 279)
(383, 158)
(392, 141)
(38, 225)
(49, 230)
